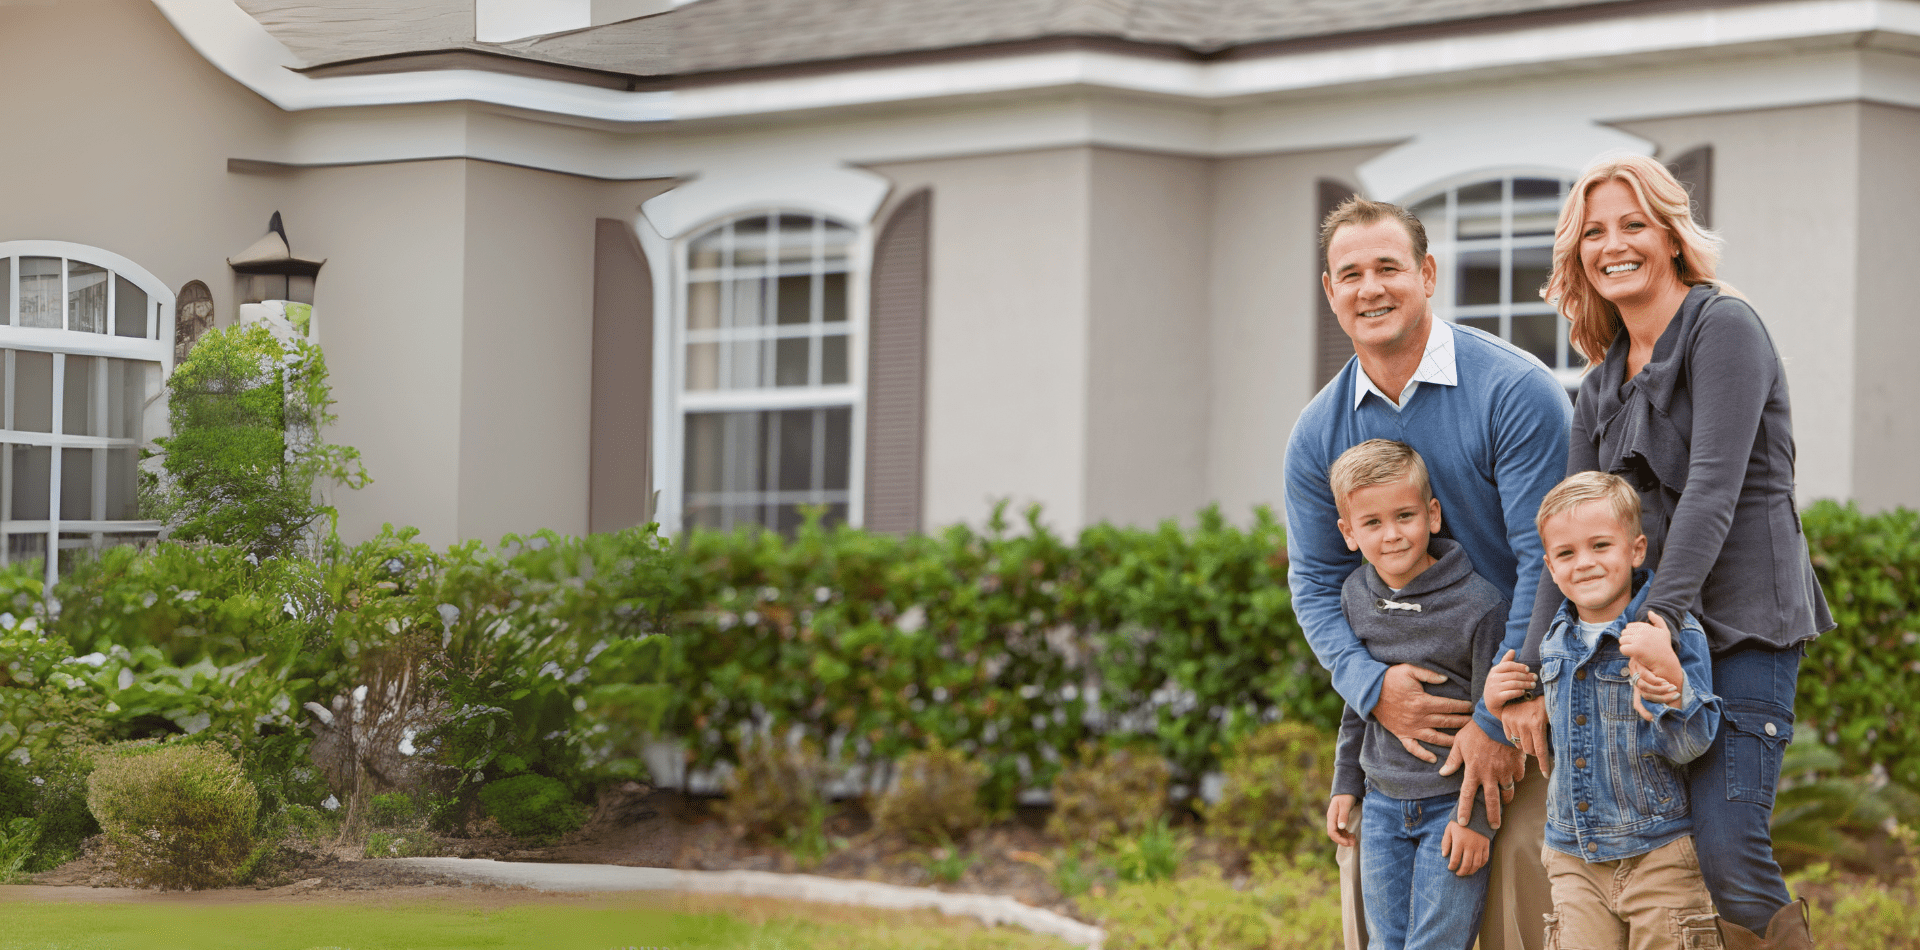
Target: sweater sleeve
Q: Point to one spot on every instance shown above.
(1348, 777)
(1531, 426)
(1318, 564)
(1582, 456)
(1730, 367)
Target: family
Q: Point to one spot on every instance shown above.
(1616, 588)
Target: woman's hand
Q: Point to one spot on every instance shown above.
(1337, 812)
(1464, 848)
(1652, 665)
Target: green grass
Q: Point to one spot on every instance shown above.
(631, 923)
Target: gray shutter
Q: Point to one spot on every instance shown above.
(1694, 168)
(620, 487)
(897, 369)
(1331, 347)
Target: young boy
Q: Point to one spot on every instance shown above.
(1423, 876)
(1619, 843)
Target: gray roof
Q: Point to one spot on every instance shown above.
(710, 36)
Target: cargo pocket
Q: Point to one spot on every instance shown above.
(1553, 931)
(1696, 930)
(1757, 734)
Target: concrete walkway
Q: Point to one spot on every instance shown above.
(993, 910)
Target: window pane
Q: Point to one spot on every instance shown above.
(703, 366)
(749, 298)
(129, 382)
(86, 297)
(796, 239)
(6, 279)
(1538, 334)
(1531, 268)
(792, 361)
(838, 239)
(793, 464)
(1525, 188)
(26, 547)
(833, 299)
(705, 251)
(76, 485)
(123, 484)
(796, 299)
(1489, 324)
(1574, 359)
(40, 303)
(703, 305)
(80, 412)
(839, 447)
(749, 241)
(1430, 210)
(1479, 278)
(750, 363)
(32, 403)
(32, 481)
(129, 309)
(833, 360)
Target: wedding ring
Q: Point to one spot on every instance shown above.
(1508, 786)
(1514, 739)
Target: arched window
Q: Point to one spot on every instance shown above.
(1493, 240)
(768, 369)
(84, 350)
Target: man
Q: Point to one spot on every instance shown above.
(1492, 424)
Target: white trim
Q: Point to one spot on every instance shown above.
(1490, 148)
(795, 397)
(834, 191)
(242, 48)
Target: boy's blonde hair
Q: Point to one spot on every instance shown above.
(1578, 489)
(1376, 462)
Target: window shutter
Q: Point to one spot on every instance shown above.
(897, 369)
(1695, 171)
(1332, 348)
(619, 487)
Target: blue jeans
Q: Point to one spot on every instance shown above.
(1732, 785)
(1413, 901)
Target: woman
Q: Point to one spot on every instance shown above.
(1687, 400)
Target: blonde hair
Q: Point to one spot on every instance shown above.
(1596, 321)
(1578, 489)
(1376, 462)
(1359, 211)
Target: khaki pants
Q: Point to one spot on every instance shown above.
(1652, 901)
(1518, 899)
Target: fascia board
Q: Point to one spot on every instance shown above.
(242, 48)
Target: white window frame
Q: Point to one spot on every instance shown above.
(670, 368)
(1443, 243)
(157, 347)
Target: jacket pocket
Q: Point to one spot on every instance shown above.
(1757, 734)
(1616, 690)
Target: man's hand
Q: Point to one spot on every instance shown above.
(1464, 848)
(1526, 725)
(1337, 812)
(1492, 769)
(1413, 716)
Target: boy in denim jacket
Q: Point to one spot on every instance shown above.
(1415, 600)
(1619, 842)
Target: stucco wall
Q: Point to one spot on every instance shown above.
(1786, 196)
(1147, 350)
(1007, 332)
(1886, 385)
(1265, 287)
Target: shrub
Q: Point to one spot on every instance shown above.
(392, 810)
(1152, 855)
(535, 807)
(401, 844)
(1282, 907)
(175, 816)
(17, 839)
(1273, 797)
(59, 806)
(1824, 815)
(936, 796)
(1119, 791)
(775, 790)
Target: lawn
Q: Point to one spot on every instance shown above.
(168, 922)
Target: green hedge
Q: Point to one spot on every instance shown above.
(558, 655)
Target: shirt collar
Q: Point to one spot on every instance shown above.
(1436, 366)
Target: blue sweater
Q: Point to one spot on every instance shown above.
(1494, 445)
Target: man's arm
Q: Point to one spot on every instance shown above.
(1318, 563)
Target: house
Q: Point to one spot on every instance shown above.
(898, 257)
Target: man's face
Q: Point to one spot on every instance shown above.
(1377, 289)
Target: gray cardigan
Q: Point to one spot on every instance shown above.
(1460, 621)
(1704, 433)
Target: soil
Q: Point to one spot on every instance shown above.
(639, 826)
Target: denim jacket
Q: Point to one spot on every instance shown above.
(1618, 788)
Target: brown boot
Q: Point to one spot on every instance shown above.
(1788, 930)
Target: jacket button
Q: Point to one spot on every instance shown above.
(1579, 674)
(1593, 846)
(1772, 730)
(1580, 807)
(1580, 720)
(1580, 763)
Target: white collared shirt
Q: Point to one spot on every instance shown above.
(1436, 366)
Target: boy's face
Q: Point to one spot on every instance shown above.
(1389, 525)
(1592, 556)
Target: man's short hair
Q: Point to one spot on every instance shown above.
(1376, 462)
(1578, 489)
(1358, 211)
